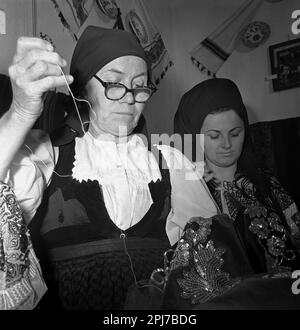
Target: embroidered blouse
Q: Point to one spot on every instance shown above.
(240, 194)
(238, 199)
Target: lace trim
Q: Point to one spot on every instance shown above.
(102, 161)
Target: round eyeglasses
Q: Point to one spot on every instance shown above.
(116, 91)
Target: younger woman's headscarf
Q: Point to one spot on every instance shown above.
(204, 98)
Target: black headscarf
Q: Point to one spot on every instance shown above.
(98, 46)
(94, 49)
(205, 98)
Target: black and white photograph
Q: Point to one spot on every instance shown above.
(285, 62)
(149, 159)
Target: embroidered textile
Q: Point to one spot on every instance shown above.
(203, 278)
(21, 282)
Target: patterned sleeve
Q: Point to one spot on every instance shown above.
(31, 171)
(287, 205)
(21, 282)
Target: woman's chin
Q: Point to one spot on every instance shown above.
(226, 162)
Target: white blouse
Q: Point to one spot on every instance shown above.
(123, 170)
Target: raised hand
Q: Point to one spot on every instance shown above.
(34, 71)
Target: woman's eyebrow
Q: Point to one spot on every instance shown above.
(235, 128)
(122, 73)
(140, 75)
(218, 131)
(114, 71)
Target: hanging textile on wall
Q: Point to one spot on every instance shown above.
(73, 13)
(137, 20)
(129, 15)
(214, 50)
(110, 9)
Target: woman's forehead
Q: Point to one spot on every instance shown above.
(125, 65)
(221, 120)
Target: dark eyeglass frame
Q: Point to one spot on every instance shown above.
(106, 84)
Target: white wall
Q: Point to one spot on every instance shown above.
(193, 20)
(18, 23)
(183, 24)
(249, 70)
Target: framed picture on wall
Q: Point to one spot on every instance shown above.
(285, 64)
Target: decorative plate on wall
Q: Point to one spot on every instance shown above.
(255, 34)
(137, 26)
(108, 7)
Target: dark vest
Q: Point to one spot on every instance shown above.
(86, 260)
(74, 213)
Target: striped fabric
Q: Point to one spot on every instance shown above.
(214, 50)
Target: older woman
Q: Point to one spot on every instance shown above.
(258, 225)
(101, 225)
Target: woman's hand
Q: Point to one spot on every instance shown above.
(35, 70)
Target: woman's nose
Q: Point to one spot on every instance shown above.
(128, 98)
(226, 142)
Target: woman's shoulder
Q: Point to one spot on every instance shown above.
(31, 171)
(176, 162)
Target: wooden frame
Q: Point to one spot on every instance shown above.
(285, 64)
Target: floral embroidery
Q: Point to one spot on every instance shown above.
(199, 230)
(271, 234)
(202, 276)
(257, 212)
(266, 224)
(276, 246)
(274, 222)
(260, 227)
(196, 231)
(205, 280)
(181, 255)
(238, 194)
(280, 194)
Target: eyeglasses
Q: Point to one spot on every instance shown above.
(116, 91)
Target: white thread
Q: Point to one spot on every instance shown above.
(60, 175)
(137, 284)
(81, 122)
(80, 100)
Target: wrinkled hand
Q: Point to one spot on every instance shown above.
(33, 72)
